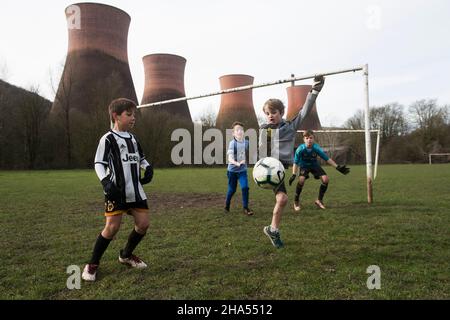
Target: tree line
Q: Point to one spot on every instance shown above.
(33, 137)
(408, 134)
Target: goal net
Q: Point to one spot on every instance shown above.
(345, 145)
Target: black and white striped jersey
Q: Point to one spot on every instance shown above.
(120, 156)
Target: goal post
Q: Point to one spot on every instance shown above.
(364, 69)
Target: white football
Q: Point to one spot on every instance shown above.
(268, 173)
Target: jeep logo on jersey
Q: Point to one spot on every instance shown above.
(131, 158)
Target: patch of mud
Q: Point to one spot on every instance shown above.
(163, 202)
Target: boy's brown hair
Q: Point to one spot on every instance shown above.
(273, 105)
(121, 105)
(308, 133)
(237, 123)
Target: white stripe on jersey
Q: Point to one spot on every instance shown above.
(119, 151)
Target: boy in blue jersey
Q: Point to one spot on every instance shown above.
(237, 168)
(306, 159)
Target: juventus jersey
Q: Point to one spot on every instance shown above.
(122, 154)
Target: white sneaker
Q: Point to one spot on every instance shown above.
(297, 207)
(90, 272)
(319, 204)
(133, 261)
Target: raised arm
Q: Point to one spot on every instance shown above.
(309, 103)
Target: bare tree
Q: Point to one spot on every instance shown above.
(431, 121)
(389, 119)
(209, 117)
(33, 111)
(87, 128)
(63, 100)
(427, 115)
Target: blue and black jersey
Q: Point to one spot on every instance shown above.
(307, 158)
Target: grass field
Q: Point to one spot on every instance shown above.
(50, 220)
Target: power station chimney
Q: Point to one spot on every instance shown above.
(236, 106)
(96, 68)
(296, 99)
(164, 80)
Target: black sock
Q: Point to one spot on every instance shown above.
(322, 190)
(298, 191)
(133, 240)
(99, 248)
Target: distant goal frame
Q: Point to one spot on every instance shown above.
(436, 154)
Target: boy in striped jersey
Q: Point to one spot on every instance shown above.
(118, 164)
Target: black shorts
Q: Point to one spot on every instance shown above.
(317, 172)
(113, 208)
(281, 188)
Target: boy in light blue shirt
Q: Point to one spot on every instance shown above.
(237, 168)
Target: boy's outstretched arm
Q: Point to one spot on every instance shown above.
(310, 100)
(325, 157)
(332, 163)
(340, 168)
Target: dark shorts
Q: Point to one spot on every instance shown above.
(113, 209)
(317, 172)
(282, 186)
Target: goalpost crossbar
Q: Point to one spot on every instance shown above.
(253, 86)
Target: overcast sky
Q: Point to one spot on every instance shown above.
(405, 43)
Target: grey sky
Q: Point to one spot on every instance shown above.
(406, 44)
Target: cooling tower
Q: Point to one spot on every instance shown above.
(296, 99)
(164, 80)
(236, 106)
(96, 69)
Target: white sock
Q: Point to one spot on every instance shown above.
(272, 229)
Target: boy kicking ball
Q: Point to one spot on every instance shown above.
(306, 159)
(118, 162)
(283, 133)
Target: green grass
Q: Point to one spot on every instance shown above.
(50, 220)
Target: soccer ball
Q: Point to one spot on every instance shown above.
(268, 173)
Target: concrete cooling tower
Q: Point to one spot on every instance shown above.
(96, 68)
(164, 80)
(236, 106)
(296, 99)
